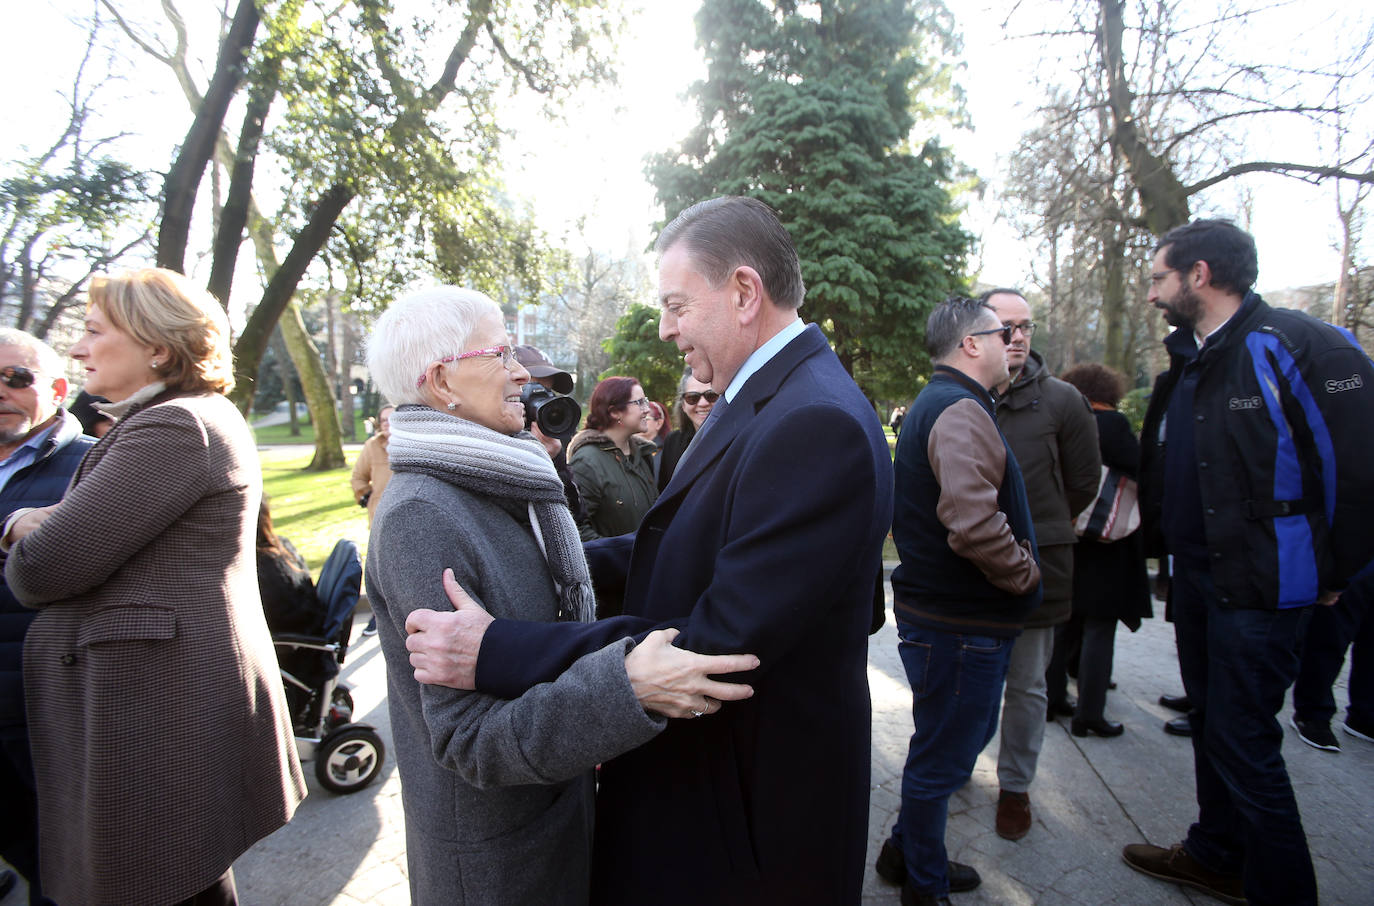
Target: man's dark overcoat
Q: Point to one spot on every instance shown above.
(766, 540)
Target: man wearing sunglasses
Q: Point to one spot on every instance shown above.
(40, 447)
(767, 541)
(1050, 427)
(967, 580)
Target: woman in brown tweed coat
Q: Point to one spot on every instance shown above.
(160, 737)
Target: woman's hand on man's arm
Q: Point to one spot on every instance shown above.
(676, 682)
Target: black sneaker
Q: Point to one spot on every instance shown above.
(1358, 729)
(891, 867)
(1316, 734)
(962, 877)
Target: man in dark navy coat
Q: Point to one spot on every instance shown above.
(766, 541)
(40, 447)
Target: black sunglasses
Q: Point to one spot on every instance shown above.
(17, 377)
(692, 397)
(1006, 333)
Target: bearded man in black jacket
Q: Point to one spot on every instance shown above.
(1253, 477)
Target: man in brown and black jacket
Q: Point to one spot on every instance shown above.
(968, 578)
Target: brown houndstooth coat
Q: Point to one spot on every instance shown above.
(160, 736)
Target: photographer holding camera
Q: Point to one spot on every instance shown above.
(552, 417)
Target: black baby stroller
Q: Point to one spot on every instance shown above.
(347, 756)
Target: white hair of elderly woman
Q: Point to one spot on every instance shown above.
(416, 331)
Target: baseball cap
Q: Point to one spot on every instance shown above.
(539, 366)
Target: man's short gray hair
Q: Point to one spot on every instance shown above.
(49, 362)
(416, 331)
(951, 321)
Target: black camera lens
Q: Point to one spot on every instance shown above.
(557, 416)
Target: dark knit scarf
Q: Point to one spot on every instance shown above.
(486, 462)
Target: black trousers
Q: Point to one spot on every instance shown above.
(19, 805)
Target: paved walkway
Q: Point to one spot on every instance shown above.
(1092, 796)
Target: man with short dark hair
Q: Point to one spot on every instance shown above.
(1254, 478)
(766, 541)
(968, 578)
(40, 447)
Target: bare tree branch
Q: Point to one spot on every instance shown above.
(478, 14)
(183, 180)
(531, 78)
(1306, 172)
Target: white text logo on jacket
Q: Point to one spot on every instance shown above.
(1354, 382)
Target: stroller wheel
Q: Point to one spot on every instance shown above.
(349, 760)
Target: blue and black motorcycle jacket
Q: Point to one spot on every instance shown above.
(1282, 420)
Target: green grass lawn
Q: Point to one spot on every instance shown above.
(281, 434)
(312, 509)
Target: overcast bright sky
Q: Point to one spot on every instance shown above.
(591, 164)
(607, 137)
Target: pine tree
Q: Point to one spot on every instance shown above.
(811, 107)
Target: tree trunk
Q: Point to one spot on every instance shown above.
(288, 383)
(183, 179)
(328, 443)
(27, 284)
(350, 428)
(235, 215)
(1054, 314)
(1113, 295)
(1163, 197)
(1341, 296)
(275, 298)
(308, 367)
(331, 342)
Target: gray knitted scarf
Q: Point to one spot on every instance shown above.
(478, 459)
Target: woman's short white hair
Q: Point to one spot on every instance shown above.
(417, 330)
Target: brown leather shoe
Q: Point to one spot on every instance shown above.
(1174, 864)
(1013, 815)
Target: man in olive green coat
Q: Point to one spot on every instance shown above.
(1050, 429)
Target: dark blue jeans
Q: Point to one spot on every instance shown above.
(956, 686)
(1237, 666)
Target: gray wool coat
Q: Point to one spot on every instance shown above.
(498, 795)
(161, 742)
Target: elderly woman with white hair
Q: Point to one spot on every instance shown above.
(498, 795)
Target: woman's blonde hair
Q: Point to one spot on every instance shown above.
(158, 307)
